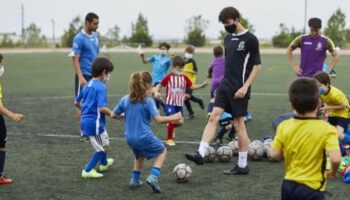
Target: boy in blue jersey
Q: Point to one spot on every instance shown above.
(3, 133)
(161, 64)
(85, 48)
(92, 101)
(138, 109)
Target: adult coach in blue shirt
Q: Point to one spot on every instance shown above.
(85, 49)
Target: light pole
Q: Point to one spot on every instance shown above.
(53, 33)
(305, 15)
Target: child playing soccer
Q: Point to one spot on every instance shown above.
(139, 108)
(3, 134)
(303, 142)
(225, 123)
(175, 84)
(191, 71)
(92, 101)
(161, 64)
(336, 103)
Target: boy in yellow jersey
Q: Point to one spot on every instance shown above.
(303, 142)
(3, 136)
(336, 103)
(191, 70)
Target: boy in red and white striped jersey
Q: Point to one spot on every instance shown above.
(175, 84)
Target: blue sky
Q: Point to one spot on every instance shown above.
(166, 19)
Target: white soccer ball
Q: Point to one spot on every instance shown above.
(255, 151)
(210, 154)
(267, 146)
(234, 146)
(256, 142)
(224, 154)
(182, 172)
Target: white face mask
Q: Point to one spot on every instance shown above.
(188, 56)
(106, 79)
(2, 70)
(163, 52)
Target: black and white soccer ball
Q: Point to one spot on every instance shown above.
(267, 145)
(210, 154)
(224, 154)
(182, 172)
(234, 146)
(255, 151)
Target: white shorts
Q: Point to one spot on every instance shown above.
(99, 141)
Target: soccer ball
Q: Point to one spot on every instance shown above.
(256, 142)
(267, 146)
(182, 172)
(234, 146)
(255, 151)
(224, 153)
(210, 154)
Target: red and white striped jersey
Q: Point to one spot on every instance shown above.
(175, 88)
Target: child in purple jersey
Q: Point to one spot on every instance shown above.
(216, 73)
(313, 49)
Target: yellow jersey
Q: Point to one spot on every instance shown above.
(336, 97)
(190, 70)
(304, 143)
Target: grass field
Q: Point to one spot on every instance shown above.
(46, 161)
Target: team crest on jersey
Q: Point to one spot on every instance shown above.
(319, 46)
(241, 46)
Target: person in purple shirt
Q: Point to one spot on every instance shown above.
(313, 47)
(216, 73)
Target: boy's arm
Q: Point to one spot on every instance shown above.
(243, 90)
(13, 116)
(276, 154)
(77, 104)
(105, 110)
(333, 107)
(200, 86)
(335, 54)
(335, 158)
(143, 59)
(166, 119)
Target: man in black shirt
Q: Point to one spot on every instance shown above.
(242, 65)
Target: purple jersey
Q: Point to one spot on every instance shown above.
(217, 69)
(313, 52)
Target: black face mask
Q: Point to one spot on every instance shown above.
(231, 28)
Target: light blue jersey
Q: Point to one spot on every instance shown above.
(87, 47)
(137, 120)
(160, 67)
(92, 97)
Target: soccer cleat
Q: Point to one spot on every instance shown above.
(237, 171)
(170, 142)
(91, 174)
(153, 182)
(248, 117)
(195, 157)
(110, 162)
(4, 180)
(133, 184)
(332, 73)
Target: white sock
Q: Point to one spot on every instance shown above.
(242, 159)
(203, 148)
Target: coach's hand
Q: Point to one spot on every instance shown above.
(297, 69)
(82, 81)
(241, 92)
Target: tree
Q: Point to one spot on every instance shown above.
(113, 36)
(336, 28)
(74, 27)
(245, 23)
(283, 38)
(6, 42)
(33, 36)
(195, 29)
(140, 34)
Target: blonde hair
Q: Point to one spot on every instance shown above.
(139, 85)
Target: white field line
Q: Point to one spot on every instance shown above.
(66, 136)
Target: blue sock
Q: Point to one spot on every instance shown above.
(155, 171)
(136, 175)
(2, 161)
(103, 160)
(95, 158)
(210, 107)
(346, 139)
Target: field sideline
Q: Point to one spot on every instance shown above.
(45, 156)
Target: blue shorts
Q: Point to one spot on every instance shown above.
(170, 110)
(148, 148)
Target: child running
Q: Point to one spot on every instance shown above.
(138, 108)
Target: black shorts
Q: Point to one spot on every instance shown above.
(225, 99)
(3, 133)
(188, 91)
(77, 83)
(339, 121)
(296, 191)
